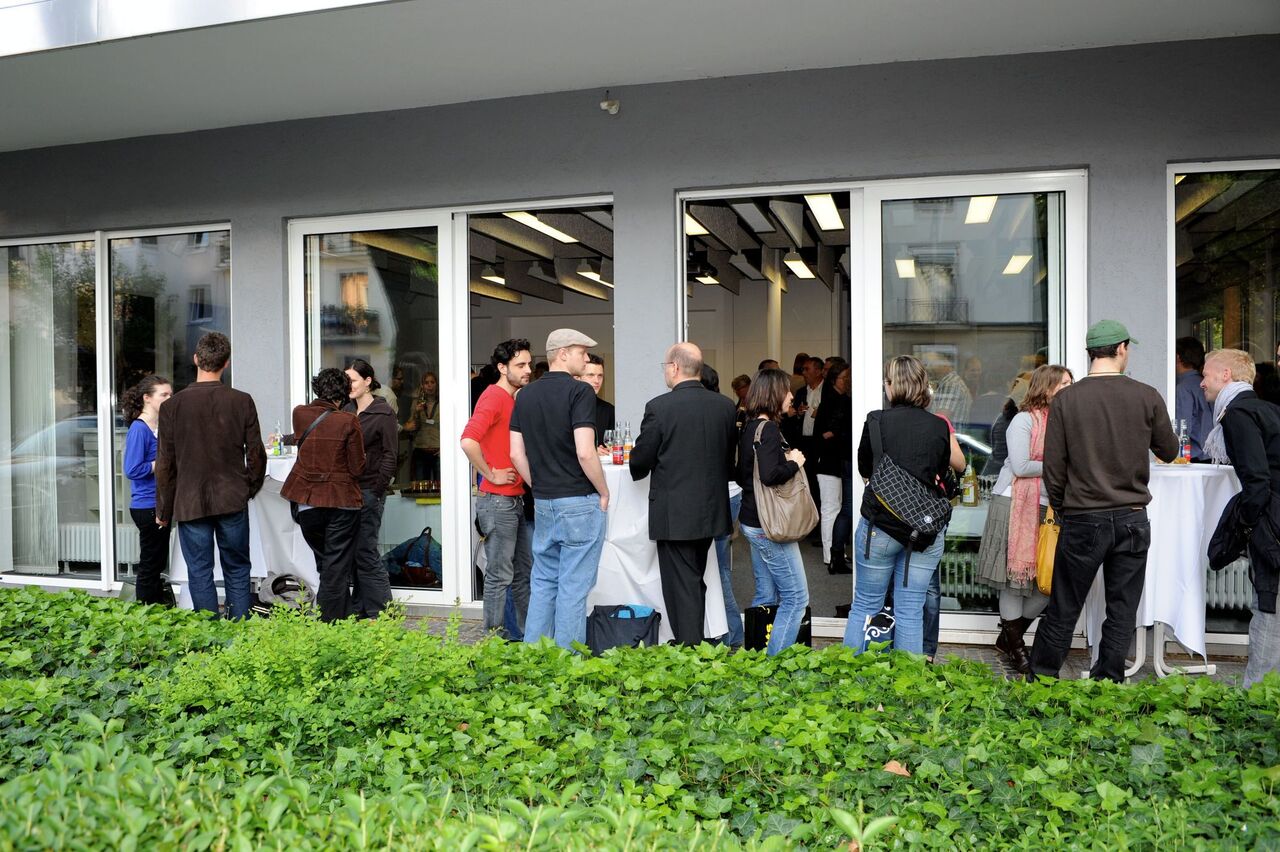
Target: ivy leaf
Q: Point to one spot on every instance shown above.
(1112, 796)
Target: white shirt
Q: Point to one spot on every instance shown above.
(812, 399)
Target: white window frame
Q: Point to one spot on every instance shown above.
(1068, 305)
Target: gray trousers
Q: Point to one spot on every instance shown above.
(1264, 645)
(508, 550)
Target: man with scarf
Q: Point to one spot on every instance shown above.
(1096, 471)
(1246, 435)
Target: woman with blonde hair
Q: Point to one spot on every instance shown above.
(1007, 555)
(886, 550)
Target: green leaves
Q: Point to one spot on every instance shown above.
(154, 729)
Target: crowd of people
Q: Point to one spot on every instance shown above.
(1077, 448)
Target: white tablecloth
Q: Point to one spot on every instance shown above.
(1186, 502)
(629, 562)
(275, 541)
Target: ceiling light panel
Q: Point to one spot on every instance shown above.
(798, 267)
(1016, 264)
(980, 209)
(906, 267)
(693, 228)
(531, 221)
(824, 210)
(707, 279)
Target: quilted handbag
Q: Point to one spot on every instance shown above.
(922, 507)
(1046, 547)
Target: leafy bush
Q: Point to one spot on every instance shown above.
(433, 739)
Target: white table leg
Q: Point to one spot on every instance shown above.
(1164, 669)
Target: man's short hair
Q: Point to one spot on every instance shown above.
(687, 361)
(1190, 352)
(798, 364)
(593, 358)
(508, 349)
(213, 352)
(1239, 362)
(1108, 351)
(331, 385)
(740, 382)
(822, 365)
(763, 365)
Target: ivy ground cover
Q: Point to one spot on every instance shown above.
(126, 727)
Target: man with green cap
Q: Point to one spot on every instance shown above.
(1096, 470)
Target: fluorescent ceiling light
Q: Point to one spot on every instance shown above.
(798, 267)
(906, 267)
(586, 271)
(754, 216)
(707, 279)
(1177, 179)
(692, 227)
(489, 274)
(1016, 264)
(824, 210)
(980, 208)
(531, 221)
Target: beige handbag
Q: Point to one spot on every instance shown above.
(786, 511)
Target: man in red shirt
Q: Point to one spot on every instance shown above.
(500, 507)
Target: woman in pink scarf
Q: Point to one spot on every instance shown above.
(1007, 556)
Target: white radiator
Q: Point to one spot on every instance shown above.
(78, 542)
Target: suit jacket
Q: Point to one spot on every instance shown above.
(330, 461)
(210, 460)
(687, 443)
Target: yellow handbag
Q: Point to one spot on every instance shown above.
(1046, 547)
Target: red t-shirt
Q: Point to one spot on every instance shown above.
(490, 427)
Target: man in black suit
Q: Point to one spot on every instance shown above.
(687, 441)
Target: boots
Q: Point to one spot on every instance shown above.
(1011, 645)
(838, 564)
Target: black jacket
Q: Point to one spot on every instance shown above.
(920, 443)
(835, 415)
(1251, 432)
(774, 467)
(686, 442)
(378, 426)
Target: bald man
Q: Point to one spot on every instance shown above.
(686, 444)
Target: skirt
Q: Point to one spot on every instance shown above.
(993, 553)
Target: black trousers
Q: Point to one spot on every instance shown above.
(331, 533)
(371, 587)
(682, 564)
(1117, 541)
(153, 559)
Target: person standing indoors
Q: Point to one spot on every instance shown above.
(780, 577)
(486, 440)
(1247, 436)
(741, 384)
(378, 428)
(833, 441)
(1189, 403)
(724, 558)
(141, 405)
(842, 528)
(424, 425)
(553, 447)
(324, 485)
(686, 444)
(1096, 471)
(802, 429)
(210, 463)
(883, 551)
(1007, 555)
(606, 420)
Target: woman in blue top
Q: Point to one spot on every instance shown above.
(141, 405)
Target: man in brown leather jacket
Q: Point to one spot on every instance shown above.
(209, 464)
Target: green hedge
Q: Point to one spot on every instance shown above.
(122, 725)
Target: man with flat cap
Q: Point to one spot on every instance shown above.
(1096, 471)
(686, 443)
(553, 446)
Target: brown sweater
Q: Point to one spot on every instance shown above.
(1095, 447)
(210, 460)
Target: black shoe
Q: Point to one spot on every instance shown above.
(838, 566)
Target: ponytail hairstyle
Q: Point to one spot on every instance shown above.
(133, 400)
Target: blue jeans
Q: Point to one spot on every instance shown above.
(875, 572)
(731, 612)
(508, 554)
(568, 535)
(232, 534)
(787, 582)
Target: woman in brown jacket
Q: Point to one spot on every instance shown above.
(323, 485)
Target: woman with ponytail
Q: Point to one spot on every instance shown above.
(141, 405)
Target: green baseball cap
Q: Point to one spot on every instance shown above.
(1107, 332)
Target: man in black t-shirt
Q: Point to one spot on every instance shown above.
(553, 446)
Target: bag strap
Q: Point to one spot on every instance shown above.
(877, 445)
(314, 424)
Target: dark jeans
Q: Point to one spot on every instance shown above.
(1118, 541)
(371, 587)
(153, 559)
(933, 611)
(842, 531)
(331, 533)
(232, 534)
(425, 464)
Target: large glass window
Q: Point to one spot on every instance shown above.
(167, 291)
(49, 467)
(970, 285)
(375, 295)
(1226, 247)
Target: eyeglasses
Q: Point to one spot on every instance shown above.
(665, 363)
